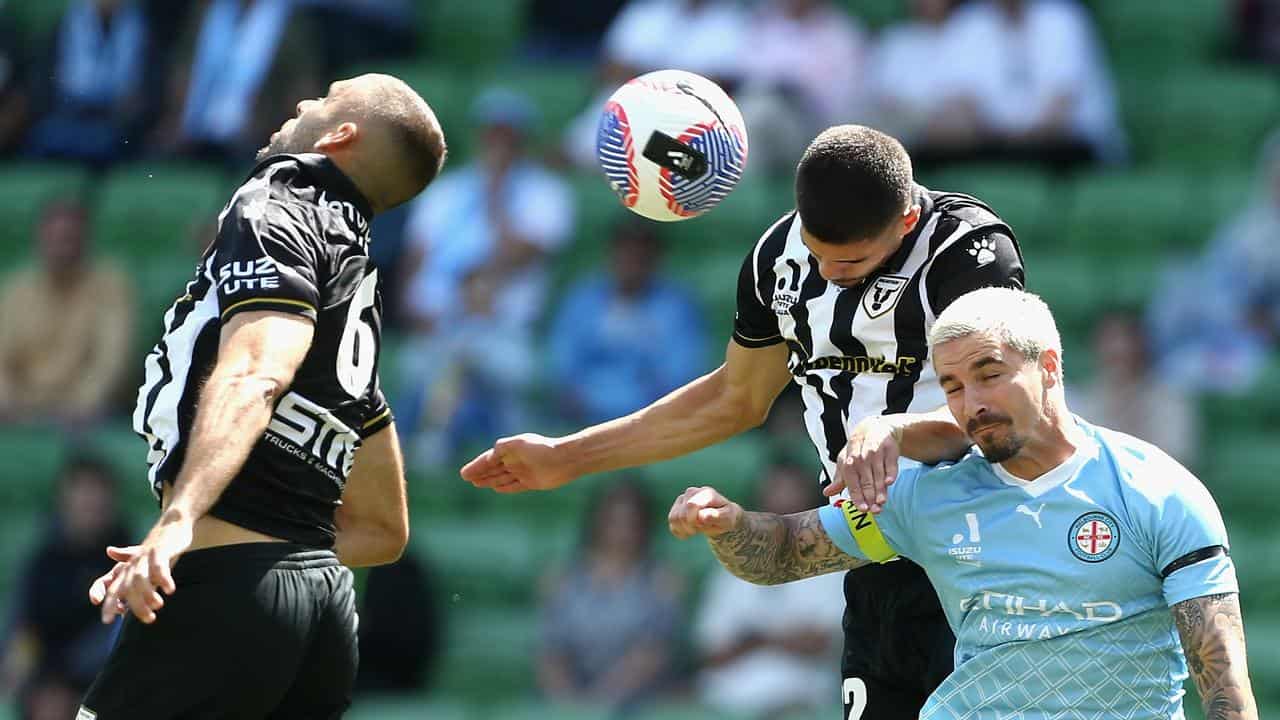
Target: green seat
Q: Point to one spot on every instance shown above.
(30, 458)
(1256, 407)
(488, 647)
(1144, 34)
(24, 191)
(396, 707)
(714, 279)
(489, 558)
(1134, 215)
(876, 14)
(1018, 195)
(559, 92)
(538, 710)
(1240, 469)
(34, 22)
(1253, 549)
(473, 32)
(145, 211)
(1216, 118)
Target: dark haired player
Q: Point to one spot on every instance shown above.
(272, 450)
(837, 296)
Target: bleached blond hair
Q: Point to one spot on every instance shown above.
(1015, 318)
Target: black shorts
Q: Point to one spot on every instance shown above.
(259, 630)
(897, 645)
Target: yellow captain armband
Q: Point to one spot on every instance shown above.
(862, 525)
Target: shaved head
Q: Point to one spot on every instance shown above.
(377, 129)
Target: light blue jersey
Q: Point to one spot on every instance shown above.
(1058, 590)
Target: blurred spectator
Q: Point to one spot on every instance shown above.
(703, 36)
(1038, 78)
(767, 650)
(93, 99)
(622, 340)
(66, 326)
(55, 636)
(568, 30)
(504, 212)
(400, 630)
(14, 100)
(911, 93)
(1257, 29)
(803, 74)
(467, 381)
(610, 624)
(1127, 394)
(1216, 318)
(242, 67)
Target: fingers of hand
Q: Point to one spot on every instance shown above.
(482, 469)
(159, 575)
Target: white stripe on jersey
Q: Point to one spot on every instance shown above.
(176, 348)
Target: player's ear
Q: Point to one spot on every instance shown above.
(339, 137)
(1050, 367)
(910, 217)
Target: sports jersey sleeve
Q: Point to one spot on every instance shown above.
(755, 324)
(266, 258)
(1190, 540)
(377, 413)
(982, 260)
(878, 538)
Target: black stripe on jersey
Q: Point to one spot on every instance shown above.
(770, 249)
(203, 353)
(841, 335)
(833, 412)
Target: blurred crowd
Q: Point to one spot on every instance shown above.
(490, 338)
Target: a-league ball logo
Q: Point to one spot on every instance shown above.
(1094, 537)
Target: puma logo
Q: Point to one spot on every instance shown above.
(1034, 515)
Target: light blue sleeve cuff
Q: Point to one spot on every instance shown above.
(838, 530)
(1214, 576)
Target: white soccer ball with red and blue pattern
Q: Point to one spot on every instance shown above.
(672, 145)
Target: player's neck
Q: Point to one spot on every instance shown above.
(1053, 446)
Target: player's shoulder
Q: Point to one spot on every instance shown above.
(773, 241)
(955, 208)
(1142, 468)
(972, 467)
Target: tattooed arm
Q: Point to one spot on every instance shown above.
(1212, 635)
(761, 548)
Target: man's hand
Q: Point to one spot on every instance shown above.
(868, 464)
(521, 463)
(703, 510)
(137, 581)
(98, 590)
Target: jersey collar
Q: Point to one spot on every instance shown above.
(1055, 477)
(327, 175)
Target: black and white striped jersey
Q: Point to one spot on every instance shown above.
(294, 238)
(864, 350)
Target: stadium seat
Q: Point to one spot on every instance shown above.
(1241, 468)
(398, 707)
(1019, 195)
(147, 211)
(489, 654)
(31, 457)
(483, 558)
(875, 14)
(1257, 406)
(560, 92)
(539, 710)
(1144, 34)
(1134, 215)
(473, 33)
(1216, 118)
(24, 190)
(33, 23)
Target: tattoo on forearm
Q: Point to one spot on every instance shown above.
(770, 549)
(1212, 635)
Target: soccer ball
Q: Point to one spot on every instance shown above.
(672, 144)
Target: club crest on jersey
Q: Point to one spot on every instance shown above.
(883, 294)
(1094, 537)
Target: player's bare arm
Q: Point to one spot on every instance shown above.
(733, 398)
(258, 353)
(373, 519)
(761, 548)
(868, 464)
(1212, 633)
